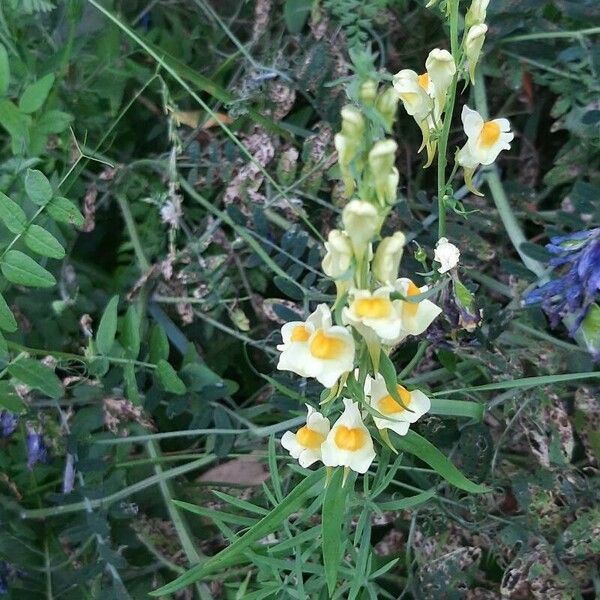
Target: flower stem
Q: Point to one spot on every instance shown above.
(449, 109)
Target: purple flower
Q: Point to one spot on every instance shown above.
(5, 572)
(8, 423)
(575, 290)
(37, 450)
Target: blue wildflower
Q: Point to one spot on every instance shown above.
(37, 451)
(8, 423)
(575, 290)
(5, 572)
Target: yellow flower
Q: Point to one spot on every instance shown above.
(376, 311)
(338, 258)
(413, 91)
(315, 348)
(441, 69)
(416, 316)
(387, 257)
(349, 442)
(381, 161)
(398, 418)
(477, 13)
(305, 444)
(361, 222)
(486, 139)
(473, 45)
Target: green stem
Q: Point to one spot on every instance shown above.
(548, 35)
(449, 109)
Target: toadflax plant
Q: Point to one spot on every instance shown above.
(367, 410)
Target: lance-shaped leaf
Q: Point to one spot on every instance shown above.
(23, 270)
(415, 444)
(269, 523)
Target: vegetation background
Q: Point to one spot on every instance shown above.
(176, 159)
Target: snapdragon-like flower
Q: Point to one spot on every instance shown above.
(473, 46)
(441, 69)
(399, 417)
(361, 222)
(486, 139)
(416, 316)
(477, 13)
(447, 254)
(316, 348)
(305, 444)
(338, 257)
(385, 175)
(349, 442)
(571, 294)
(387, 258)
(376, 311)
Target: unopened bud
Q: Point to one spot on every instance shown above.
(388, 256)
(368, 91)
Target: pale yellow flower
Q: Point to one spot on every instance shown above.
(338, 257)
(486, 139)
(316, 348)
(361, 222)
(305, 444)
(387, 258)
(349, 442)
(398, 417)
(376, 311)
(473, 45)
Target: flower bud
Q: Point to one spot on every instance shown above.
(338, 258)
(361, 222)
(387, 105)
(368, 91)
(346, 149)
(473, 45)
(353, 123)
(476, 13)
(381, 162)
(388, 256)
(447, 254)
(441, 68)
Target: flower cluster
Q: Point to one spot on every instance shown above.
(572, 295)
(424, 98)
(346, 347)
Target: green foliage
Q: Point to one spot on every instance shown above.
(146, 266)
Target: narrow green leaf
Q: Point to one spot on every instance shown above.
(388, 372)
(424, 450)
(169, 379)
(4, 71)
(457, 408)
(216, 515)
(334, 509)
(292, 502)
(525, 382)
(41, 241)
(130, 334)
(3, 348)
(406, 503)
(35, 95)
(12, 215)
(37, 376)
(38, 187)
(23, 270)
(64, 211)
(159, 344)
(107, 329)
(7, 319)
